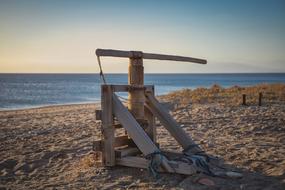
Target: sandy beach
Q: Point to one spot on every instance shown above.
(51, 147)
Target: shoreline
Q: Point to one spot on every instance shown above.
(160, 95)
(50, 106)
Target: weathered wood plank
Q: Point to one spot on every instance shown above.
(98, 114)
(123, 140)
(133, 161)
(119, 141)
(120, 88)
(139, 162)
(129, 151)
(136, 80)
(107, 123)
(132, 54)
(126, 88)
(169, 123)
(151, 129)
(112, 53)
(173, 58)
(135, 131)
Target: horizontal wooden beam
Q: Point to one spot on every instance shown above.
(128, 151)
(139, 54)
(119, 141)
(139, 162)
(113, 53)
(123, 140)
(126, 88)
(174, 58)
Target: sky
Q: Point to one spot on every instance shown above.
(61, 36)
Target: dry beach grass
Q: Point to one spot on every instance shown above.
(51, 147)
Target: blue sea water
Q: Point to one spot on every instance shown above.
(34, 90)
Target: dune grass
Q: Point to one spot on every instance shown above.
(271, 94)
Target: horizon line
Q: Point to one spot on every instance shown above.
(151, 73)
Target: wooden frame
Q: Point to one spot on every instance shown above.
(139, 118)
(109, 142)
(127, 151)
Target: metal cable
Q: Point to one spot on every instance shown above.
(101, 70)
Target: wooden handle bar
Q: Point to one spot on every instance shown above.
(139, 54)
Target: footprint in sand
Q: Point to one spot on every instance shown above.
(8, 164)
(6, 168)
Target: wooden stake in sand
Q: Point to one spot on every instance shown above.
(244, 100)
(260, 98)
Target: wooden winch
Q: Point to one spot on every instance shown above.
(139, 146)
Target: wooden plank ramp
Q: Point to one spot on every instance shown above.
(139, 162)
(138, 135)
(169, 123)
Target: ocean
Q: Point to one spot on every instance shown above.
(19, 91)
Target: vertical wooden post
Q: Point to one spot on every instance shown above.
(108, 128)
(136, 82)
(260, 99)
(244, 99)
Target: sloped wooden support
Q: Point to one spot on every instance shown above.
(138, 135)
(170, 124)
(139, 162)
